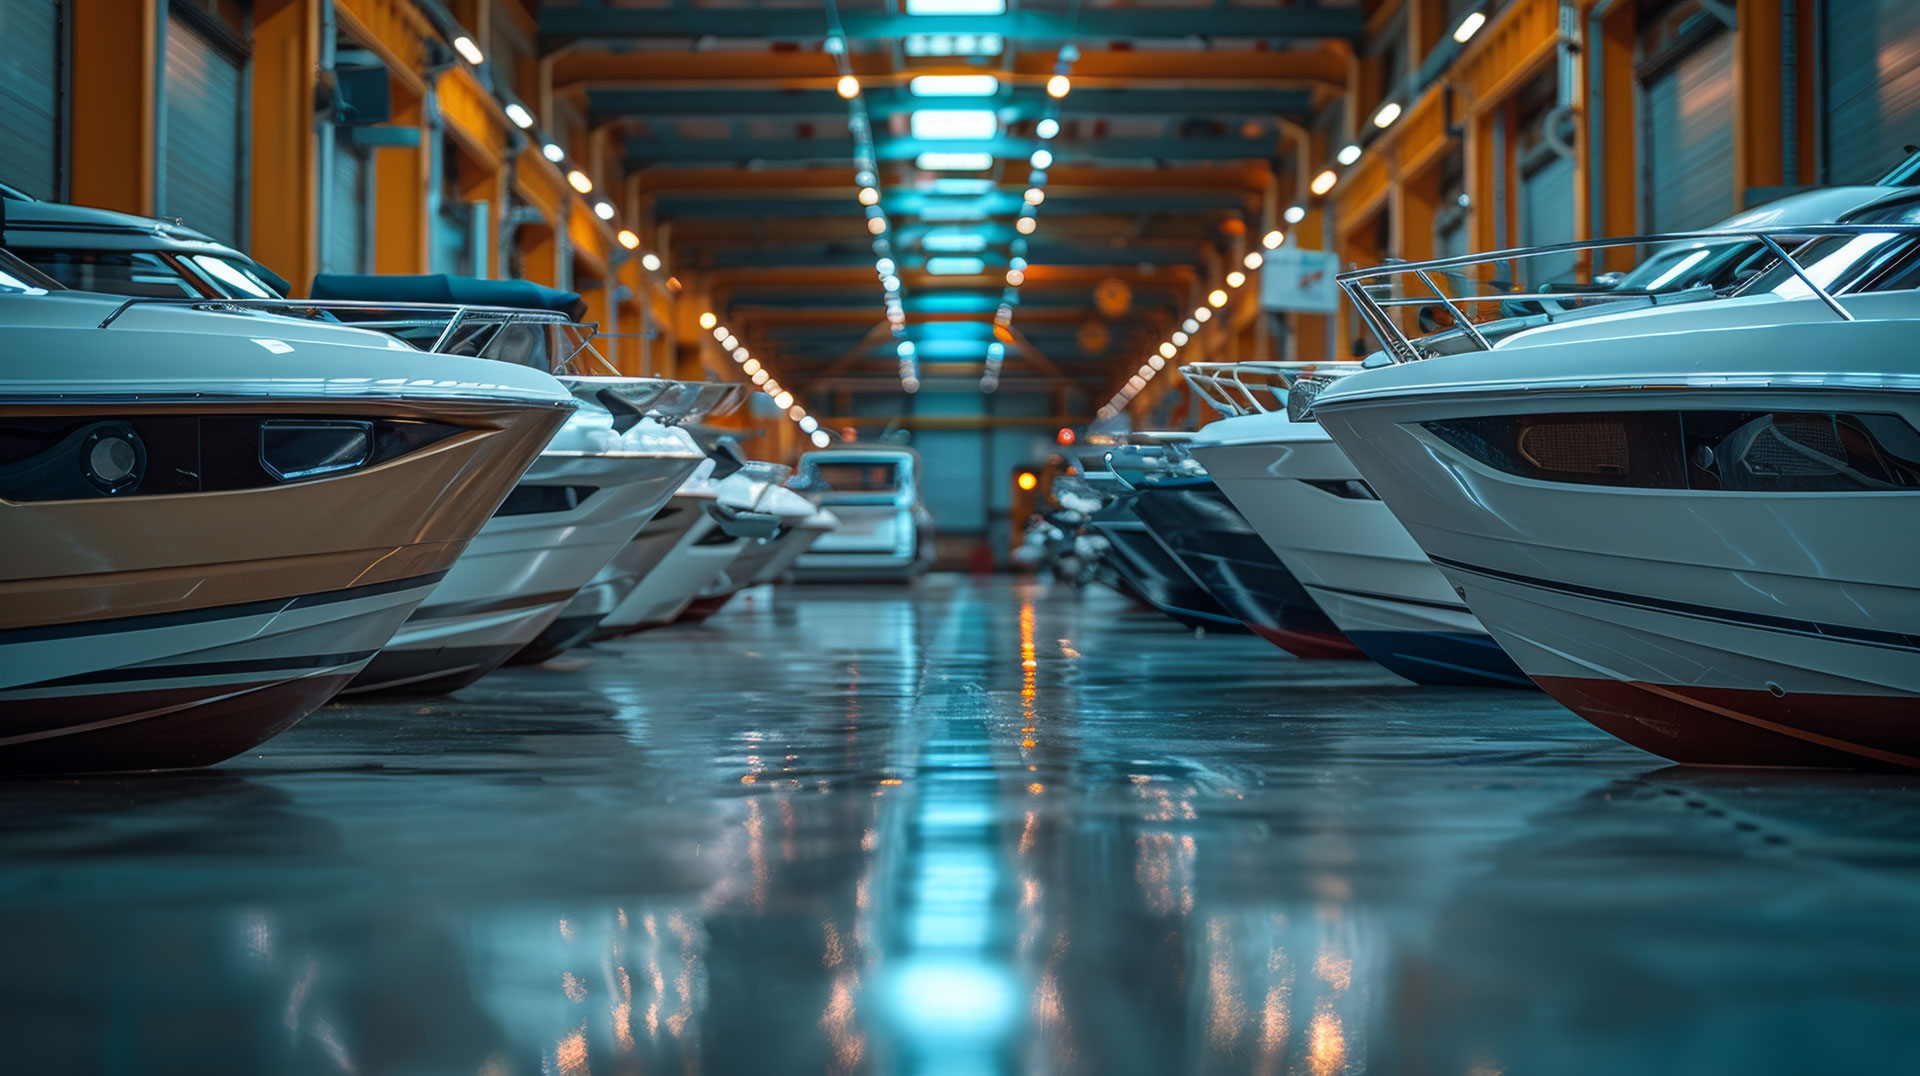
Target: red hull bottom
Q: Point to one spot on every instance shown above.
(703, 608)
(1307, 644)
(1736, 727)
(161, 729)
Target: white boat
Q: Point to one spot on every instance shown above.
(885, 530)
(1692, 523)
(213, 518)
(755, 506)
(1308, 501)
(687, 550)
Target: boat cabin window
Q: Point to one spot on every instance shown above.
(114, 272)
(237, 280)
(865, 477)
(1733, 451)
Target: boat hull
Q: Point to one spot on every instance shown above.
(1357, 561)
(1196, 523)
(180, 629)
(522, 571)
(1155, 574)
(1707, 626)
(698, 554)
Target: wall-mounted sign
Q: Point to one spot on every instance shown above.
(1300, 281)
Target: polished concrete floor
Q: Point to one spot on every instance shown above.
(968, 827)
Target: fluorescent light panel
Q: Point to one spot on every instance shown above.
(956, 7)
(956, 266)
(953, 86)
(954, 123)
(954, 45)
(953, 162)
(952, 212)
(954, 242)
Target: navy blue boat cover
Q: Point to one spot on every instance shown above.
(445, 288)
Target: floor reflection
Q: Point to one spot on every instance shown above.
(967, 827)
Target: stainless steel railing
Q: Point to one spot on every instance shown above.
(1378, 291)
(1251, 388)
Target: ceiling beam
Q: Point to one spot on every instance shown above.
(605, 106)
(654, 150)
(596, 22)
(591, 68)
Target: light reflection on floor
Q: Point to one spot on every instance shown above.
(968, 827)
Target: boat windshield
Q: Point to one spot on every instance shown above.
(1843, 263)
(113, 272)
(19, 278)
(240, 281)
(864, 476)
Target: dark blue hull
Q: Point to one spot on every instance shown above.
(1453, 659)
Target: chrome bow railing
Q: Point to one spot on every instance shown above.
(1254, 388)
(1770, 255)
(547, 340)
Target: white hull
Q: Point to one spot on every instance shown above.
(666, 591)
(1357, 561)
(1707, 625)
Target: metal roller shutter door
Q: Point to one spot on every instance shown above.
(30, 96)
(1687, 140)
(348, 199)
(201, 182)
(1870, 59)
(1546, 217)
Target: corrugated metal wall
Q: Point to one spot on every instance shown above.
(30, 96)
(201, 180)
(1870, 59)
(1546, 216)
(1686, 139)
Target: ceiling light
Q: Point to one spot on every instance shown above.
(579, 181)
(953, 86)
(1236, 278)
(1059, 86)
(1042, 158)
(947, 185)
(954, 44)
(627, 238)
(959, 123)
(1015, 278)
(1025, 225)
(603, 210)
(760, 377)
(1295, 214)
(468, 51)
(708, 321)
(953, 162)
(820, 439)
(726, 339)
(1017, 262)
(868, 196)
(650, 262)
(956, 7)
(1035, 196)
(848, 87)
(904, 349)
(1136, 382)
(952, 241)
(740, 354)
(1201, 313)
(890, 282)
(1348, 154)
(1156, 362)
(796, 412)
(808, 424)
(952, 211)
(1216, 297)
(552, 152)
(784, 400)
(1469, 26)
(910, 385)
(956, 266)
(1145, 372)
(1274, 238)
(1324, 182)
(1387, 114)
(884, 266)
(876, 225)
(1190, 325)
(770, 387)
(1047, 128)
(751, 366)
(1180, 339)
(1167, 350)
(519, 115)
(996, 351)
(1254, 259)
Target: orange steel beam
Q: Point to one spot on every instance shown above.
(1758, 116)
(112, 158)
(395, 31)
(285, 185)
(1508, 52)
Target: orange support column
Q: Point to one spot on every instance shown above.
(1758, 108)
(114, 103)
(402, 232)
(286, 53)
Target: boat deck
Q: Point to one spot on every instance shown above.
(963, 826)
